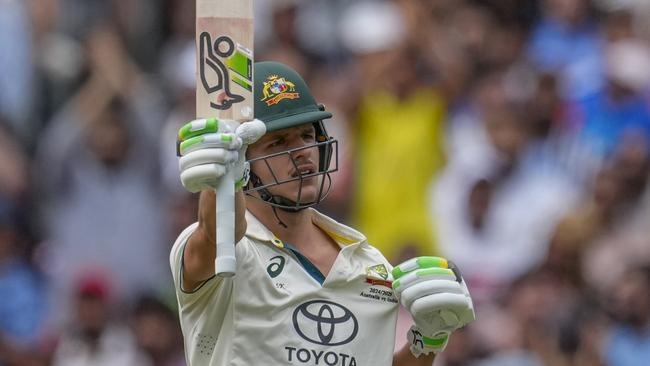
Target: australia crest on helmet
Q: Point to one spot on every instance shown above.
(277, 88)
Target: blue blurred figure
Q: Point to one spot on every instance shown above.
(567, 42)
(22, 290)
(621, 107)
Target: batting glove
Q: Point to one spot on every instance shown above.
(434, 292)
(208, 148)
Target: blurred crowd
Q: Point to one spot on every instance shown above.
(510, 136)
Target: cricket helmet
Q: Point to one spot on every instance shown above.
(283, 100)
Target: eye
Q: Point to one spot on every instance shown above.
(277, 142)
(309, 136)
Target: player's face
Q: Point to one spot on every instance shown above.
(301, 162)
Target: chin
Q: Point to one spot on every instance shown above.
(310, 188)
(307, 196)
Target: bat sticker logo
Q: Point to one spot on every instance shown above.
(224, 47)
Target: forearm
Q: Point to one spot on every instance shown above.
(207, 216)
(201, 249)
(404, 357)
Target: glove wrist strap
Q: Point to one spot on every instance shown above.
(421, 344)
(243, 181)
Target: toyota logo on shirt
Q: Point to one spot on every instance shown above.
(326, 323)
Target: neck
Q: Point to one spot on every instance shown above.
(298, 224)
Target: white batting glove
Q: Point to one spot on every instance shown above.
(208, 148)
(434, 292)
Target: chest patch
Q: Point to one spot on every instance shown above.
(378, 275)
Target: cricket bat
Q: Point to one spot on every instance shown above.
(224, 89)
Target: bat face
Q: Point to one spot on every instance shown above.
(224, 43)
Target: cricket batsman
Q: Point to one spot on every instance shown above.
(307, 290)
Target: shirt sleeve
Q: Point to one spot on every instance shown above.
(203, 290)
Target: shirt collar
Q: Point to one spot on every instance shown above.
(342, 234)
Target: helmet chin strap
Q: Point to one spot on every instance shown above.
(280, 222)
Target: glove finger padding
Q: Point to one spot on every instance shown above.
(205, 126)
(207, 156)
(208, 148)
(419, 263)
(421, 275)
(442, 311)
(427, 288)
(202, 177)
(249, 132)
(227, 141)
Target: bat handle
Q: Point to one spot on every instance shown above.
(225, 262)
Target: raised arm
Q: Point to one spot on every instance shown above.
(209, 148)
(201, 248)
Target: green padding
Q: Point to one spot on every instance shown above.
(397, 273)
(423, 263)
(435, 342)
(428, 262)
(434, 271)
(396, 283)
(186, 132)
(185, 145)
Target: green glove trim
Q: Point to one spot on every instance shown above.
(194, 128)
(396, 284)
(436, 342)
(422, 263)
(424, 345)
(427, 262)
(397, 273)
(434, 271)
(425, 273)
(185, 145)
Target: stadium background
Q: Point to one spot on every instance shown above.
(510, 136)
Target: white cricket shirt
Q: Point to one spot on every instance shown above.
(275, 312)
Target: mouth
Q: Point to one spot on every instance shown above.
(303, 170)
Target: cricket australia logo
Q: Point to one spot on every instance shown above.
(325, 323)
(377, 271)
(378, 275)
(276, 89)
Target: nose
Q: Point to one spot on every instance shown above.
(300, 153)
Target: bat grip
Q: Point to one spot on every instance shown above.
(225, 262)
